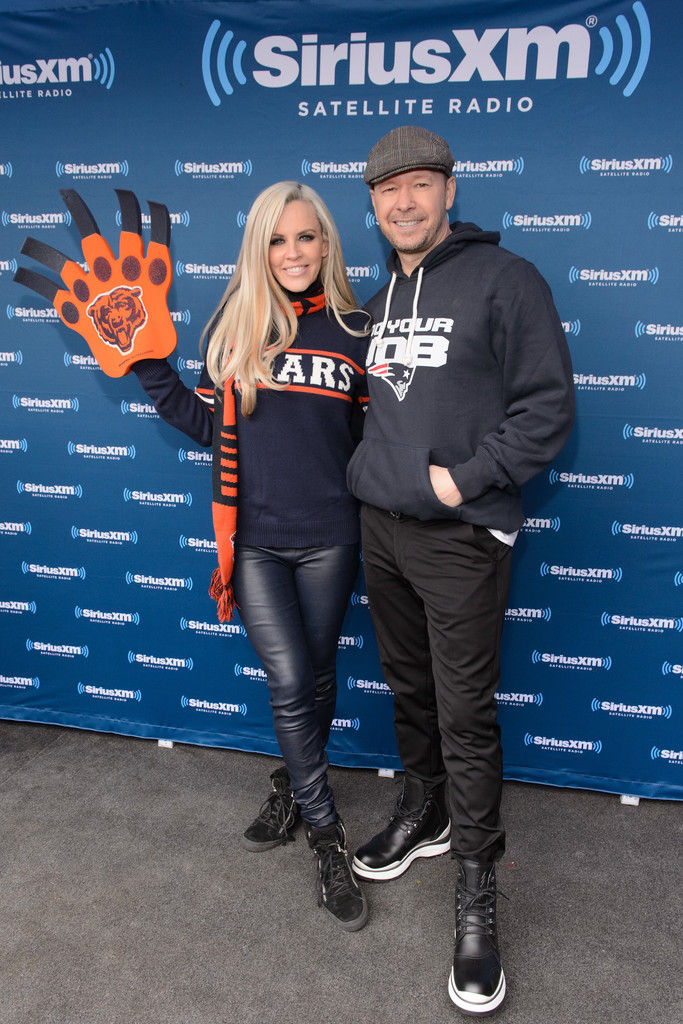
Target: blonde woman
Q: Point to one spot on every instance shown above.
(285, 357)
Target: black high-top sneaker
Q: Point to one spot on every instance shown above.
(419, 827)
(278, 816)
(338, 890)
(477, 982)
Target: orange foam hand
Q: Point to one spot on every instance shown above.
(119, 306)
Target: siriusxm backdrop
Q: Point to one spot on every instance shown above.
(565, 121)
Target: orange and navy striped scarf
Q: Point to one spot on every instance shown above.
(224, 472)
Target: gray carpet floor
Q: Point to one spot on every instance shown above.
(125, 896)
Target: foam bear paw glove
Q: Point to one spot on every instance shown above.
(119, 306)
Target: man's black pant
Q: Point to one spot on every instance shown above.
(437, 593)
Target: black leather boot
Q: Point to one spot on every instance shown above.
(338, 890)
(477, 982)
(277, 818)
(419, 827)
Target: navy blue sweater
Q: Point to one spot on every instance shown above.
(294, 448)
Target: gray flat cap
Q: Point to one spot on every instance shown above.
(405, 149)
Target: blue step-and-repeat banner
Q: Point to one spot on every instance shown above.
(565, 121)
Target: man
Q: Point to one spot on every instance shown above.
(471, 394)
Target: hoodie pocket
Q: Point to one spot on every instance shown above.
(396, 477)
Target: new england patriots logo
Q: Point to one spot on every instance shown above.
(397, 375)
(396, 357)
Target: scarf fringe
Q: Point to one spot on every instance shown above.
(224, 596)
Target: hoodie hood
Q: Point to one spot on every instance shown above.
(461, 232)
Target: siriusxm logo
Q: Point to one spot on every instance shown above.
(570, 572)
(18, 607)
(672, 756)
(92, 171)
(333, 168)
(197, 543)
(528, 614)
(83, 362)
(669, 669)
(519, 700)
(521, 54)
(653, 435)
(143, 410)
(205, 271)
(223, 169)
(659, 331)
(347, 642)
(635, 167)
(30, 314)
(6, 169)
(621, 710)
(8, 358)
(644, 531)
(58, 405)
(50, 490)
(673, 222)
(609, 382)
(58, 650)
(19, 682)
(12, 529)
(159, 582)
(183, 316)
(106, 693)
(201, 457)
(54, 572)
(104, 536)
(250, 672)
(359, 599)
(35, 220)
(342, 724)
(571, 327)
(165, 662)
(165, 499)
(614, 278)
(536, 222)
(107, 618)
(101, 451)
(60, 70)
(368, 685)
(592, 481)
(584, 662)
(8, 266)
(572, 746)
(489, 168)
(213, 628)
(535, 525)
(216, 707)
(357, 274)
(642, 623)
(195, 365)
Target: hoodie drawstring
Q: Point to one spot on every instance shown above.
(408, 356)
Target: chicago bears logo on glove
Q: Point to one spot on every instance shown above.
(118, 316)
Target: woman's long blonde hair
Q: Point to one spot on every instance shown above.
(255, 320)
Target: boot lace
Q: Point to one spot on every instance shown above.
(476, 909)
(334, 877)
(279, 808)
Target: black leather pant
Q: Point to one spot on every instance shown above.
(292, 603)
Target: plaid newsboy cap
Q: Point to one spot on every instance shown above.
(405, 149)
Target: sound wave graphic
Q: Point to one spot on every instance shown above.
(220, 62)
(627, 50)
